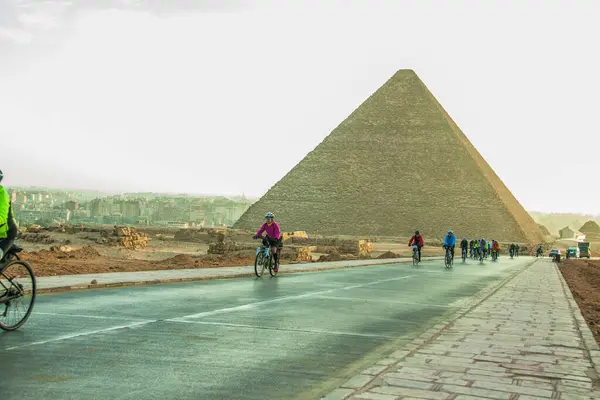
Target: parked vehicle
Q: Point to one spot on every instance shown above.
(584, 249)
(572, 252)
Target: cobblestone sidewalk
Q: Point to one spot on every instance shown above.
(527, 340)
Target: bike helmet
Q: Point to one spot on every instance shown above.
(269, 215)
(1, 175)
(450, 231)
(416, 232)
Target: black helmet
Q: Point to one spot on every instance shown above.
(416, 232)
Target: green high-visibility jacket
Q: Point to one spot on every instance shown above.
(5, 212)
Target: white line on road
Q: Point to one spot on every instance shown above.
(384, 301)
(213, 312)
(95, 317)
(284, 298)
(337, 333)
(74, 335)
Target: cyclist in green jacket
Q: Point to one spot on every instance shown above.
(8, 227)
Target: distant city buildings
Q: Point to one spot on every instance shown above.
(48, 207)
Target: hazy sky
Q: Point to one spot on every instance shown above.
(226, 96)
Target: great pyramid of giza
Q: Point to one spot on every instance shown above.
(396, 164)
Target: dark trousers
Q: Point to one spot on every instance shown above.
(277, 243)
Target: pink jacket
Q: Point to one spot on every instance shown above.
(272, 231)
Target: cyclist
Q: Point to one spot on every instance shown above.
(450, 242)
(496, 248)
(417, 239)
(482, 247)
(464, 245)
(539, 252)
(517, 247)
(476, 248)
(273, 237)
(512, 249)
(8, 226)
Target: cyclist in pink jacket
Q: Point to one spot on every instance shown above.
(273, 237)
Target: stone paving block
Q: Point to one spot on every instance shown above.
(534, 384)
(477, 392)
(513, 389)
(567, 383)
(374, 396)
(494, 359)
(387, 361)
(410, 377)
(338, 394)
(374, 370)
(418, 371)
(404, 392)
(408, 383)
(465, 397)
(399, 354)
(357, 381)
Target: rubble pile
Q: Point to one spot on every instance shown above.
(303, 254)
(130, 238)
(44, 238)
(126, 237)
(223, 247)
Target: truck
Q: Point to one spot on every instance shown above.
(584, 249)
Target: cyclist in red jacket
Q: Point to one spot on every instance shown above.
(418, 240)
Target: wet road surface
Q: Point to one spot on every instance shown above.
(294, 336)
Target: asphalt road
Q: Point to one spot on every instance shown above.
(294, 336)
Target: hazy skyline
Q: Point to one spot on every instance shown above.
(227, 96)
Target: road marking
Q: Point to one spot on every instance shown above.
(210, 313)
(94, 317)
(74, 335)
(337, 333)
(284, 298)
(385, 301)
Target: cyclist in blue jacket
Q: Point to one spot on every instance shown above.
(450, 242)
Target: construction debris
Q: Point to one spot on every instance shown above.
(303, 254)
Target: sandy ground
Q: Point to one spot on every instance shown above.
(583, 278)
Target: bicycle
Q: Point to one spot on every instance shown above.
(17, 288)
(464, 255)
(494, 255)
(415, 255)
(264, 258)
(448, 259)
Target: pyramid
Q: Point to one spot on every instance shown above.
(396, 164)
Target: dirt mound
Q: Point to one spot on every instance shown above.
(388, 254)
(56, 252)
(590, 228)
(178, 259)
(583, 278)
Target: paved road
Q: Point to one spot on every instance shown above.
(295, 336)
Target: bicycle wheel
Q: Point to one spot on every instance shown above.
(17, 294)
(259, 265)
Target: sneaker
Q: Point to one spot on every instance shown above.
(276, 268)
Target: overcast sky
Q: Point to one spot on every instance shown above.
(225, 96)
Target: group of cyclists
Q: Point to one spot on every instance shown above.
(475, 248)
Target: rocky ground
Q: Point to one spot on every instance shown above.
(583, 278)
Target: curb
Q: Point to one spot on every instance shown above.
(589, 342)
(363, 381)
(60, 289)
